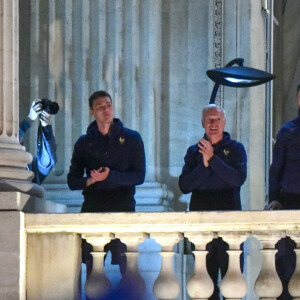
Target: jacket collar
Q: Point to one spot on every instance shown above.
(114, 130)
(225, 139)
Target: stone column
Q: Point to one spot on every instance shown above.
(15, 180)
(13, 158)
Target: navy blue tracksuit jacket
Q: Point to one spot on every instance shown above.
(218, 186)
(284, 180)
(122, 151)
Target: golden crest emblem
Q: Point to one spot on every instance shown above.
(226, 152)
(121, 140)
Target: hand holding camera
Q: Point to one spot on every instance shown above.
(44, 109)
(45, 118)
(35, 109)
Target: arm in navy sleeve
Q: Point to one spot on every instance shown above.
(23, 127)
(233, 175)
(76, 179)
(193, 172)
(276, 169)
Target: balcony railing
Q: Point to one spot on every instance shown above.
(54, 252)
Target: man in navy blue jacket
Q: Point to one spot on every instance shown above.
(213, 172)
(284, 191)
(107, 163)
(284, 187)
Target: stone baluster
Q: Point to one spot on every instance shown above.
(166, 286)
(97, 284)
(294, 283)
(132, 281)
(233, 285)
(200, 285)
(268, 285)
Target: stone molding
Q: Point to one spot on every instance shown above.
(218, 43)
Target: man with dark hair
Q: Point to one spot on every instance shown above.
(284, 191)
(107, 163)
(96, 95)
(213, 172)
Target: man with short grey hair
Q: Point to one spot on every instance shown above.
(214, 170)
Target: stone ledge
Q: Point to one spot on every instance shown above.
(217, 221)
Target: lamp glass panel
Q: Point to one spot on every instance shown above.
(237, 80)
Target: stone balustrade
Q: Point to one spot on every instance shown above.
(54, 253)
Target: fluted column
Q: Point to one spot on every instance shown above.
(234, 285)
(268, 285)
(200, 285)
(166, 286)
(13, 158)
(97, 284)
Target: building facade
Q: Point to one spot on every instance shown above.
(152, 57)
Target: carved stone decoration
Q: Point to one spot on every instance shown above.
(218, 14)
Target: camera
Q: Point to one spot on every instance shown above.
(49, 106)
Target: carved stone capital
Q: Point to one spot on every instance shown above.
(98, 242)
(234, 239)
(200, 239)
(167, 240)
(132, 239)
(269, 239)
